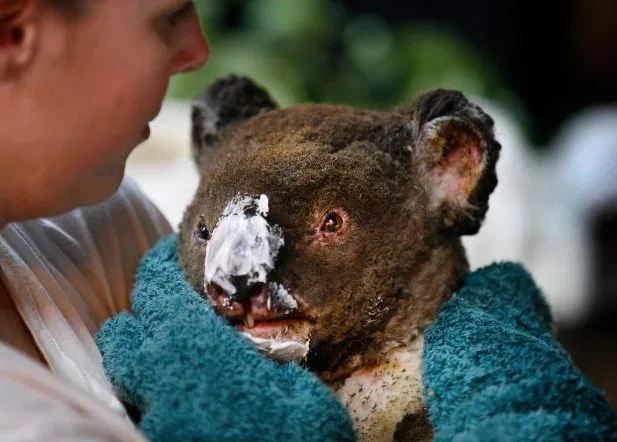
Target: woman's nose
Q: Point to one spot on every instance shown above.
(192, 50)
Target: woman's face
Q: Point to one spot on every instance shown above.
(74, 112)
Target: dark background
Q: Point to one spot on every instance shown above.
(557, 55)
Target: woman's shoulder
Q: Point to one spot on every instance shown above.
(69, 273)
(92, 248)
(129, 200)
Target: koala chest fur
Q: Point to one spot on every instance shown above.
(330, 235)
(385, 401)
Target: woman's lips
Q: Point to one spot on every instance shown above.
(145, 133)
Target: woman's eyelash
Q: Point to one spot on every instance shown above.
(180, 13)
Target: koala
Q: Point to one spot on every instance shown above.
(330, 235)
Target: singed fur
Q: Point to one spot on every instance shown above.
(377, 288)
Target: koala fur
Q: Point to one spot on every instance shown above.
(370, 207)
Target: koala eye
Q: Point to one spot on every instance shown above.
(332, 223)
(202, 234)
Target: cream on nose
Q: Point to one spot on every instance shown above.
(242, 248)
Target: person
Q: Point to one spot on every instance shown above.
(79, 82)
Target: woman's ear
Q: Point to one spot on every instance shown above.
(18, 30)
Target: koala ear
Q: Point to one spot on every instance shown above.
(228, 100)
(458, 152)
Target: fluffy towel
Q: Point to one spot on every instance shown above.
(492, 370)
(193, 377)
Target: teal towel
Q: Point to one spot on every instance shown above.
(493, 372)
(193, 377)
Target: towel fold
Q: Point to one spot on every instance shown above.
(194, 377)
(492, 370)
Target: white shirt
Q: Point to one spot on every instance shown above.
(65, 276)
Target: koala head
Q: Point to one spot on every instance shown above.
(331, 234)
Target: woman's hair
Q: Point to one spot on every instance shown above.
(11, 10)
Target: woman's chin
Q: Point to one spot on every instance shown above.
(99, 189)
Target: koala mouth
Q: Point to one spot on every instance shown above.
(269, 317)
(238, 278)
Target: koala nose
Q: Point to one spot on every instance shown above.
(245, 289)
(243, 247)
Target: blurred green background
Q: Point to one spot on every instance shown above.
(314, 51)
(542, 64)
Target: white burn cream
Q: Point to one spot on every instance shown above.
(243, 244)
(279, 295)
(279, 349)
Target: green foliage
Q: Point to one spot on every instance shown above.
(310, 50)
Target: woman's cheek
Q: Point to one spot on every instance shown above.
(131, 101)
